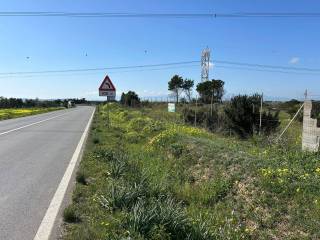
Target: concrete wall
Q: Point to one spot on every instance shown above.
(311, 133)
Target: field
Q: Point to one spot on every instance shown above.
(22, 112)
(145, 175)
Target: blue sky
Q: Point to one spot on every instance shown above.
(62, 43)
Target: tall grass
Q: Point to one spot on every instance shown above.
(180, 182)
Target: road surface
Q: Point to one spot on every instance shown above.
(35, 152)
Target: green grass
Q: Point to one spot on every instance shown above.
(23, 112)
(150, 177)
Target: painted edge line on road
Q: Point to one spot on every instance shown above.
(31, 124)
(47, 223)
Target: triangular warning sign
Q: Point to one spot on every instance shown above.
(107, 85)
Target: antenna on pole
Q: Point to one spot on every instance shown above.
(205, 64)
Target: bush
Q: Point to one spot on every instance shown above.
(213, 122)
(243, 116)
(103, 154)
(292, 110)
(133, 137)
(176, 149)
(315, 112)
(81, 178)
(130, 99)
(137, 124)
(96, 140)
(189, 116)
(153, 126)
(70, 215)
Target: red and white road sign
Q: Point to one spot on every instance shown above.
(107, 89)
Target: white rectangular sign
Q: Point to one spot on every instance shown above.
(104, 93)
(171, 107)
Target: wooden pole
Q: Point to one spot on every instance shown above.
(260, 123)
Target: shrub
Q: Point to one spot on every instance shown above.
(292, 110)
(104, 154)
(176, 149)
(213, 122)
(96, 140)
(81, 178)
(130, 99)
(70, 215)
(153, 126)
(164, 138)
(243, 114)
(315, 112)
(137, 124)
(158, 232)
(133, 137)
(189, 116)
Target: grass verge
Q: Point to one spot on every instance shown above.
(145, 178)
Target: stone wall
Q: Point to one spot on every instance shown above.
(311, 133)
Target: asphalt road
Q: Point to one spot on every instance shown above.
(33, 160)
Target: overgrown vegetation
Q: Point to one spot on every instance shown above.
(292, 107)
(243, 116)
(130, 99)
(240, 117)
(22, 112)
(36, 103)
(151, 178)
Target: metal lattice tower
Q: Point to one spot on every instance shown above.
(205, 64)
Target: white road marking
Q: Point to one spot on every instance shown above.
(47, 224)
(31, 124)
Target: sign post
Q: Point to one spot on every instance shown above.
(107, 89)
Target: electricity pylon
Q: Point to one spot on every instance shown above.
(205, 64)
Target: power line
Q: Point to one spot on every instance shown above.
(102, 14)
(99, 69)
(268, 66)
(162, 66)
(159, 15)
(90, 73)
(265, 70)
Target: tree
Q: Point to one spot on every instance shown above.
(243, 116)
(187, 88)
(130, 99)
(211, 91)
(175, 85)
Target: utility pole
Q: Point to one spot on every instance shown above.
(261, 105)
(205, 64)
(195, 113)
